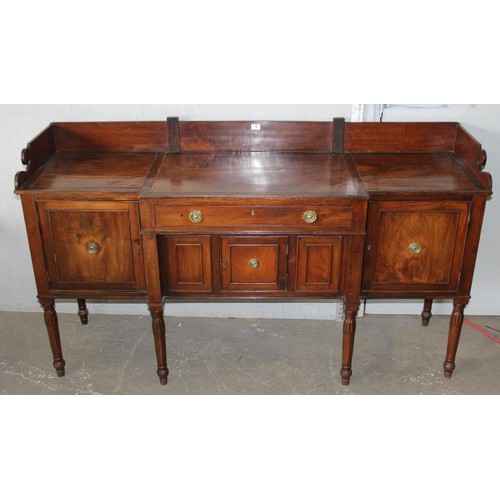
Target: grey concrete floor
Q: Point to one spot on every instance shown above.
(115, 355)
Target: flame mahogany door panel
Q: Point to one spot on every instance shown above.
(415, 246)
(92, 245)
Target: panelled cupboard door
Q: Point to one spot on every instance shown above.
(318, 263)
(415, 246)
(92, 245)
(254, 263)
(188, 264)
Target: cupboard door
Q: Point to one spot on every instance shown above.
(318, 263)
(92, 245)
(415, 246)
(188, 264)
(254, 264)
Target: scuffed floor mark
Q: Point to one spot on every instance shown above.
(125, 365)
(247, 374)
(81, 380)
(221, 388)
(78, 382)
(27, 372)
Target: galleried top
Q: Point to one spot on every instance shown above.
(331, 159)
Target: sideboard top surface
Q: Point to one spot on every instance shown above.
(434, 172)
(94, 171)
(256, 174)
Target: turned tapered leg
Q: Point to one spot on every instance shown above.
(456, 322)
(348, 343)
(160, 343)
(52, 324)
(83, 311)
(427, 312)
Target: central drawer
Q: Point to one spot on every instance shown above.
(194, 217)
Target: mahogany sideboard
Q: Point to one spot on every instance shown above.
(256, 210)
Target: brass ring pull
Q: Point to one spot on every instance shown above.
(195, 216)
(92, 247)
(310, 216)
(414, 248)
(253, 263)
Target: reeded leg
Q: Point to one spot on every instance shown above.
(348, 343)
(52, 324)
(456, 322)
(160, 343)
(83, 311)
(427, 312)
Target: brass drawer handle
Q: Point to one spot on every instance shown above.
(310, 216)
(253, 263)
(195, 216)
(414, 248)
(92, 247)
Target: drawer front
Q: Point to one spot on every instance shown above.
(92, 245)
(254, 264)
(415, 246)
(196, 217)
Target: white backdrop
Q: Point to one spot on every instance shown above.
(20, 123)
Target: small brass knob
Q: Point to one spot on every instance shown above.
(310, 216)
(414, 248)
(92, 247)
(253, 263)
(195, 216)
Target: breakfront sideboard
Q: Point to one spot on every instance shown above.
(255, 210)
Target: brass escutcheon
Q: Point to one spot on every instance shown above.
(310, 216)
(195, 216)
(414, 248)
(92, 247)
(253, 263)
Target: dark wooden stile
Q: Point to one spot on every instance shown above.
(338, 135)
(174, 144)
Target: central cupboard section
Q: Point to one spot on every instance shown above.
(263, 265)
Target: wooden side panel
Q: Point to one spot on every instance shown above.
(152, 270)
(415, 246)
(96, 137)
(36, 153)
(472, 244)
(469, 150)
(474, 157)
(318, 264)
(35, 242)
(271, 136)
(399, 137)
